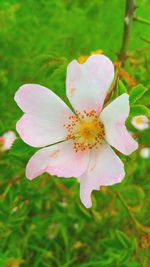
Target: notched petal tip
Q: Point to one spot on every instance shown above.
(86, 197)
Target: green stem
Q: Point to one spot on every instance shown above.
(143, 228)
(129, 12)
(145, 40)
(127, 208)
(141, 20)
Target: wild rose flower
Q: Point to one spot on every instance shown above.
(87, 134)
(140, 122)
(6, 140)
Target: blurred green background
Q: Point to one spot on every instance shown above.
(43, 223)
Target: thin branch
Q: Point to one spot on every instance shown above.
(143, 228)
(129, 13)
(145, 40)
(141, 20)
(127, 208)
(114, 82)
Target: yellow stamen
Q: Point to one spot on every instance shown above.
(86, 129)
(139, 120)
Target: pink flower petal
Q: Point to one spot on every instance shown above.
(46, 114)
(88, 83)
(113, 118)
(105, 168)
(38, 132)
(59, 159)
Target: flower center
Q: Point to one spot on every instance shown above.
(139, 120)
(86, 129)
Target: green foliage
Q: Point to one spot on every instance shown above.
(20, 149)
(121, 89)
(43, 223)
(140, 110)
(136, 93)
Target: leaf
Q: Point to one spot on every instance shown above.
(64, 235)
(123, 239)
(134, 196)
(146, 98)
(136, 93)
(121, 89)
(135, 264)
(84, 211)
(19, 148)
(139, 110)
(3, 258)
(113, 244)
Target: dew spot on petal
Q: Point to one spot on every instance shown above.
(55, 154)
(93, 167)
(72, 92)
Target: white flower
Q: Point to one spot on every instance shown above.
(140, 122)
(6, 140)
